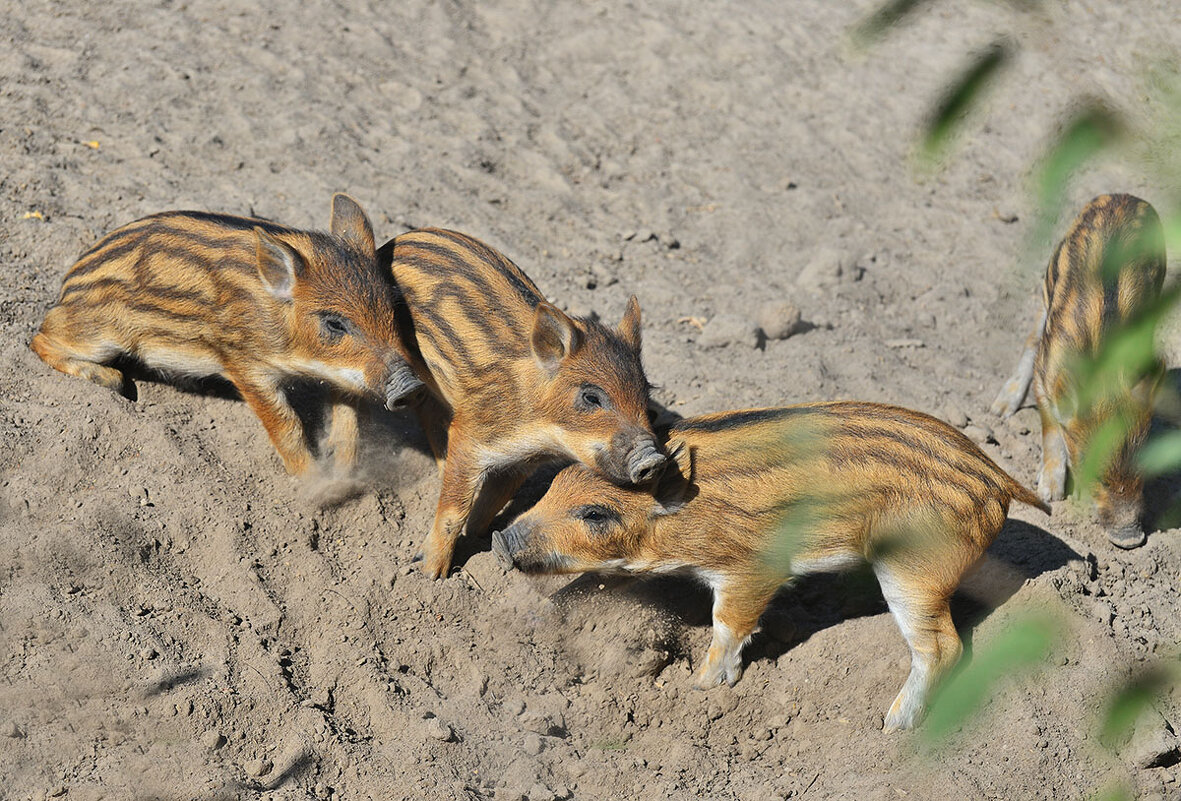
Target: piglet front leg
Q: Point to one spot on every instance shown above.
(738, 604)
(463, 478)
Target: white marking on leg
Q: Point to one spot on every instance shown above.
(910, 704)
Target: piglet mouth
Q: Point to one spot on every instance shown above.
(644, 463)
(402, 387)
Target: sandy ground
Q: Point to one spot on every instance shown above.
(181, 620)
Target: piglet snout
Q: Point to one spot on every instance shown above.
(401, 387)
(1127, 537)
(644, 462)
(505, 544)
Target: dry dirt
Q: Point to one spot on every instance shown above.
(181, 620)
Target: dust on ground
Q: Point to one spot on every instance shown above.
(179, 619)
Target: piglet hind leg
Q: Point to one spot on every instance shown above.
(924, 618)
(77, 357)
(737, 608)
(1015, 390)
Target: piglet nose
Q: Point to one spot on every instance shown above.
(644, 463)
(1127, 537)
(501, 547)
(401, 387)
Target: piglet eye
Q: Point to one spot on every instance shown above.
(591, 398)
(595, 515)
(333, 327)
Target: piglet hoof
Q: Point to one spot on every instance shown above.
(403, 386)
(1051, 485)
(1001, 407)
(501, 549)
(895, 722)
(711, 675)
(434, 564)
(902, 716)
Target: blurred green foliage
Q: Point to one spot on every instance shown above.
(1016, 651)
(1104, 381)
(959, 98)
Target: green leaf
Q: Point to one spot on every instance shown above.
(1100, 450)
(1024, 643)
(1091, 130)
(887, 16)
(959, 97)
(1130, 700)
(1162, 454)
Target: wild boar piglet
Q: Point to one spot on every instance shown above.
(1108, 269)
(193, 295)
(514, 381)
(752, 498)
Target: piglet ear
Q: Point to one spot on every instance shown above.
(554, 336)
(629, 327)
(672, 488)
(278, 264)
(350, 223)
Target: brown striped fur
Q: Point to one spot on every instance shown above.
(1108, 268)
(194, 295)
(753, 498)
(514, 379)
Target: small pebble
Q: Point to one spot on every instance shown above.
(778, 319)
(979, 434)
(729, 329)
(258, 767)
(824, 269)
(213, 740)
(538, 723)
(148, 653)
(10, 729)
(955, 415)
(534, 745)
(438, 730)
(539, 792)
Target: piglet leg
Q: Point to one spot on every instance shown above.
(283, 426)
(77, 356)
(1051, 479)
(738, 604)
(343, 436)
(462, 480)
(922, 614)
(1015, 390)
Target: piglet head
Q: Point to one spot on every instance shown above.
(339, 306)
(594, 394)
(585, 522)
